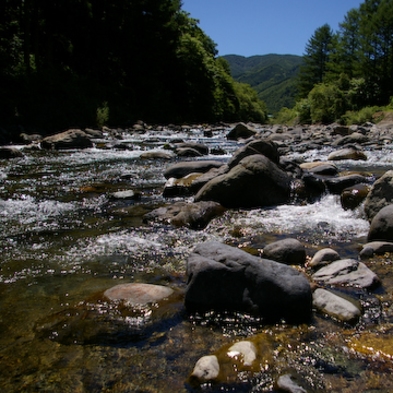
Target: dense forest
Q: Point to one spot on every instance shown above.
(84, 63)
(347, 75)
(79, 63)
(272, 76)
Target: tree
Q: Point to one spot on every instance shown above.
(316, 58)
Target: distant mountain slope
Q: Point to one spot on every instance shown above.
(272, 76)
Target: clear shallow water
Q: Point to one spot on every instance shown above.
(64, 241)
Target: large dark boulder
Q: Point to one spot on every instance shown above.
(380, 195)
(381, 227)
(240, 131)
(256, 181)
(221, 277)
(71, 139)
(267, 149)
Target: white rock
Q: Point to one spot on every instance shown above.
(287, 383)
(244, 349)
(206, 368)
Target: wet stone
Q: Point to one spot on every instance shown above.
(335, 305)
(135, 294)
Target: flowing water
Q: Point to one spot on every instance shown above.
(64, 241)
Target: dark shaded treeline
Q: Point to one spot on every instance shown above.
(83, 63)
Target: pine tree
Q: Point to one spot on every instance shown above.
(316, 58)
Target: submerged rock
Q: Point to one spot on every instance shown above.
(245, 351)
(206, 369)
(261, 286)
(138, 293)
(126, 313)
(291, 383)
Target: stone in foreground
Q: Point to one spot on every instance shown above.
(221, 277)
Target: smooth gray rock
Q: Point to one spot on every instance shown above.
(221, 277)
(289, 251)
(323, 257)
(369, 249)
(346, 272)
(335, 305)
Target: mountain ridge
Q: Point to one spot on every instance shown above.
(273, 76)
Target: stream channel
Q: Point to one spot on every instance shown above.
(64, 240)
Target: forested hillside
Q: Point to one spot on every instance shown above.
(347, 75)
(87, 63)
(272, 76)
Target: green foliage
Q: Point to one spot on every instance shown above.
(366, 114)
(272, 76)
(347, 75)
(251, 108)
(303, 111)
(145, 59)
(327, 103)
(316, 58)
(102, 115)
(286, 116)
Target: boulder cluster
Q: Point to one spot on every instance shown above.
(283, 283)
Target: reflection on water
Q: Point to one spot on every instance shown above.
(64, 241)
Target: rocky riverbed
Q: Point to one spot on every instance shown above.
(242, 258)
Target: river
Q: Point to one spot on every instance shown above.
(64, 240)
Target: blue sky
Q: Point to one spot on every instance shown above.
(260, 27)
